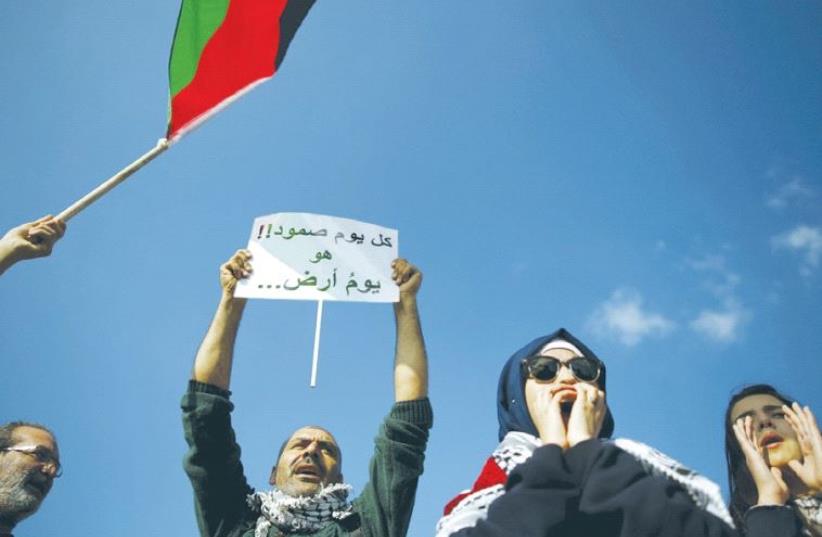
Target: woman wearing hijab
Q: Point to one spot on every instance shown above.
(774, 452)
(555, 473)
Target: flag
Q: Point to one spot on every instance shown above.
(223, 48)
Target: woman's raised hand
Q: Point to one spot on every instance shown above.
(587, 414)
(770, 485)
(809, 471)
(548, 419)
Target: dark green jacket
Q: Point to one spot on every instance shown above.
(220, 487)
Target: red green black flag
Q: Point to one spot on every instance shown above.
(223, 48)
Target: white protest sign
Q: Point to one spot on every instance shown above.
(308, 256)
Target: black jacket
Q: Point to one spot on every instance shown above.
(596, 489)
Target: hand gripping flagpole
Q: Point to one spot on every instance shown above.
(114, 180)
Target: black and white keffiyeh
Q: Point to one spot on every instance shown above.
(300, 514)
(810, 509)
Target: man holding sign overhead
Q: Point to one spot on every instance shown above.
(308, 495)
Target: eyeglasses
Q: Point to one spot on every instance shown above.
(44, 456)
(547, 367)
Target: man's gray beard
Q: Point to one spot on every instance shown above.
(16, 502)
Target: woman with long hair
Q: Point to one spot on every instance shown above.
(774, 453)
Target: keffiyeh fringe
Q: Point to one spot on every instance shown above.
(704, 492)
(810, 509)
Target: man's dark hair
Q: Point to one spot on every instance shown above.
(7, 430)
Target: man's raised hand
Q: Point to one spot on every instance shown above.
(234, 270)
(410, 359)
(407, 277)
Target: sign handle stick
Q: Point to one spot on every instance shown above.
(316, 344)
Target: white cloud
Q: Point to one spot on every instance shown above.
(623, 317)
(793, 190)
(723, 326)
(723, 323)
(721, 281)
(804, 240)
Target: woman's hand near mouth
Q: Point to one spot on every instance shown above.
(770, 486)
(587, 414)
(809, 471)
(548, 419)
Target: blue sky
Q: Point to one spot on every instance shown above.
(647, 176)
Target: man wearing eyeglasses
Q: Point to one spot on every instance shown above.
(309, 496)
(29, 463)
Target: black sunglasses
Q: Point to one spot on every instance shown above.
(547, 367)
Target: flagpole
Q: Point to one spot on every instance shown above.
(316, 356)
(114, 180)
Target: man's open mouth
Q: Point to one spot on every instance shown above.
(307, 472)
